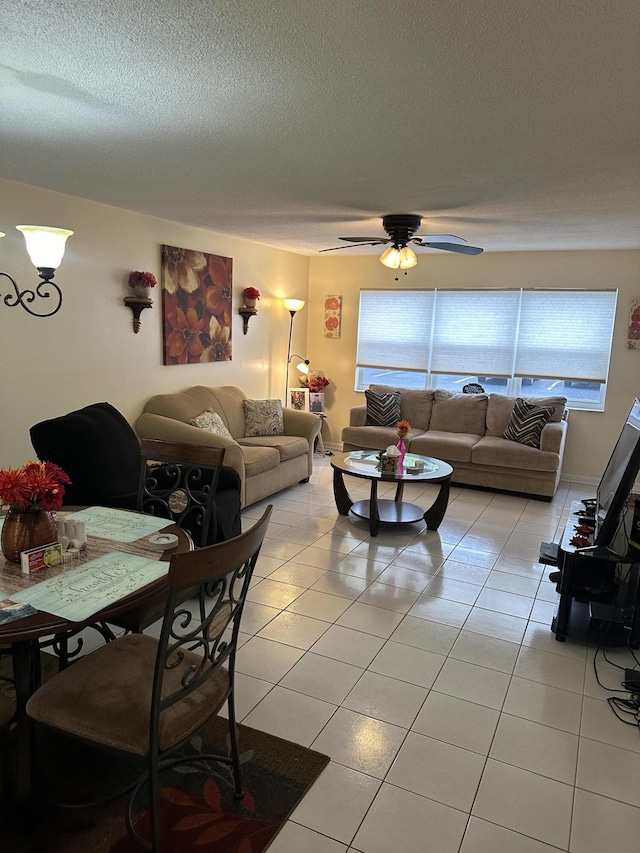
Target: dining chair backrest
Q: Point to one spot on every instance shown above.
(198, 638)
(179, 482)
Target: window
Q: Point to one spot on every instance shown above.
(519, 342)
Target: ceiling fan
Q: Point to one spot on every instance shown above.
(401, 230)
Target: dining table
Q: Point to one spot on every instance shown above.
(23, 637)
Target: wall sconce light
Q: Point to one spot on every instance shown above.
(45, 247)
(292, 306)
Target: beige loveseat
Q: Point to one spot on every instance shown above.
(266, 464)
(466, 431)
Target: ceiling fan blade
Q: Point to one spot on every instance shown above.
(454, 247)
(438, 238)
(335, 248)
(372, 240)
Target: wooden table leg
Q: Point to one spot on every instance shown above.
(26, 678)
(434, 515)
(340, 493)
(374, 515)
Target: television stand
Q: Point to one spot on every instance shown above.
(598, 591)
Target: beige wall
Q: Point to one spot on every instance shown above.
(88, 352)
(591, 434)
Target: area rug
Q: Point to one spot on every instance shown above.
(199, 811)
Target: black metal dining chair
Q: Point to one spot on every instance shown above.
(144, 696)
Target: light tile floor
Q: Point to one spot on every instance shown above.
(424, 665)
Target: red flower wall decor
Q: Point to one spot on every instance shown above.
(196, 306)
(332, 311)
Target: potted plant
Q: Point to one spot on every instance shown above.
(251, 296)
(31, 493)
(141, 283)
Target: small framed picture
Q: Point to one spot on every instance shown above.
(316, 401)
(299, 399)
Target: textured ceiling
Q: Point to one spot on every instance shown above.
(513, 123)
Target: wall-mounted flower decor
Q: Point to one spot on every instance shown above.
(142, 282)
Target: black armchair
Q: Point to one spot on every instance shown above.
(100, 452)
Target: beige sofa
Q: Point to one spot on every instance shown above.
(466, 431)
(266, 464)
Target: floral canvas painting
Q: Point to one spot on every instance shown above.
(332, 319)
(633, 335)
(196, 306)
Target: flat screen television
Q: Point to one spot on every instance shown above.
(617, 481)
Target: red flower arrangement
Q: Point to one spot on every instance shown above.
(251, 293)
(37, 485)
(142, 279)
(403, 428)
(318, 383)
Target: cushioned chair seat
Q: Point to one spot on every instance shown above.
(115, 710)
(454, 447)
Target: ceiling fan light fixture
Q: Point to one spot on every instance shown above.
(407, 258)
(390, 258)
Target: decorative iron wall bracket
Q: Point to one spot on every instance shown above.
(137, 305)
(26, 297)
(247, 314)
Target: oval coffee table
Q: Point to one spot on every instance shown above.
(362, 464)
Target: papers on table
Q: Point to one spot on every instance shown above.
(118, 525)
(9, 611)
(78, 593)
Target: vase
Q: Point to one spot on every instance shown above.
(403, 449)
(24, 530)
(142, 292)
(249, 303)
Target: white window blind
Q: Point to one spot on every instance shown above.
(556, 334)
(473, 331)
(566, 334)
(394, 328)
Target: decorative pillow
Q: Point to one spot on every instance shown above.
(212, 422)
(526, 423)
(382, 409)
(263, 417)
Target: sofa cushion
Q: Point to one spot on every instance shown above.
(382, 409)
(452, 447)
(263, 417)
(459, 412)
(526, 423)
(500, 407)
(501, 453)
(259, 458)
(288, 446)
(415, 405)
(212, 422)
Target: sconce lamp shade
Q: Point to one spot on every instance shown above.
(303, 367)
(45, 245)
(293, 305)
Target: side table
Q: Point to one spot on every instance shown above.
(319, 448)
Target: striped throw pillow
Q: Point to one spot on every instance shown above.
(382, 409)
(526, 423)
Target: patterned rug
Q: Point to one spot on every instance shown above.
(199, 811)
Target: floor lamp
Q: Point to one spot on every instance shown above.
(292, 306)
